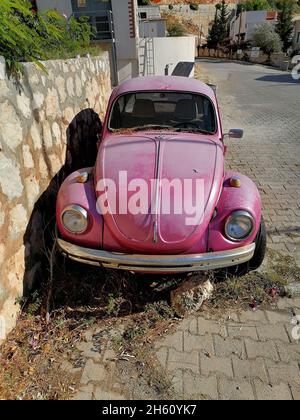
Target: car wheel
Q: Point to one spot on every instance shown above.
(256, 260)
(261, 247)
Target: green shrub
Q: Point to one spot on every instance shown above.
(19, 37)
(194, 6)
(75, 36)
(171, 7)
(267, 39)
(175, 29)
(255, 5)
(25, 36)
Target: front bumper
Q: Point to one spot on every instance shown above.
(158, 263)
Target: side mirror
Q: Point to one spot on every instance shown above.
(235, 133)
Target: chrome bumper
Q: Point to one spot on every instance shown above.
(157, 263)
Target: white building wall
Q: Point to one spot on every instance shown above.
(166, 51)
(171, 51)
(238, 25)
(234, 27)
(247, 22)
(127, 37)
(254, 19)
(153, 28)
(152, 12)
(63, 6)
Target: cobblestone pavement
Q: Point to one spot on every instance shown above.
(266, 103)
(246, 355)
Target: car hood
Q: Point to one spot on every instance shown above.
(153, 161)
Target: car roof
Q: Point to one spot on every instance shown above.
(171, 83)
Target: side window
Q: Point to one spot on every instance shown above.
(130, 101)
(209, 116)
(116, 120)
(200, 105)
(121, 104)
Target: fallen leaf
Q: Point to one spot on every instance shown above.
(47, 348)
(31, 371)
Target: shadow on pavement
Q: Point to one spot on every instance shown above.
(279, 78)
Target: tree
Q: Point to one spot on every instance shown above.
(223, 21)
(143, 2)
(213, 33)
(267, 39)
(251, 5)
(20, 38)
(285, 25)
(28, 36)
(220, 27)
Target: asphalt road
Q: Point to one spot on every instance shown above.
(264, 102)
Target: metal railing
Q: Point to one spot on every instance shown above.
(101, 22)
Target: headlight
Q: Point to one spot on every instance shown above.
(75, 219)
(239, 226)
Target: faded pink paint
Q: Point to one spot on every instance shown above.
(180, 154)
(72, 192)
(163, 83)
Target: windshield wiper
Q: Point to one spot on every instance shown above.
(162, 127)
(153, 127)
(149, 127)
(194, 130)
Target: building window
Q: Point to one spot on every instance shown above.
(102, 27)
(81, 3)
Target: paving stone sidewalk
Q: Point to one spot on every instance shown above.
(239, 356)
(247, 355)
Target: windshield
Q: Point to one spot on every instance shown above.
(163, 110)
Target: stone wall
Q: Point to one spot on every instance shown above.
(37, 121)
(206, 53)
(280, 60)
(201, 18)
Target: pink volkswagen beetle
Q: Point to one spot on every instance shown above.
(158, 199)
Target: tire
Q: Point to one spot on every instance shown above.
(261, 247)
(256, 260)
